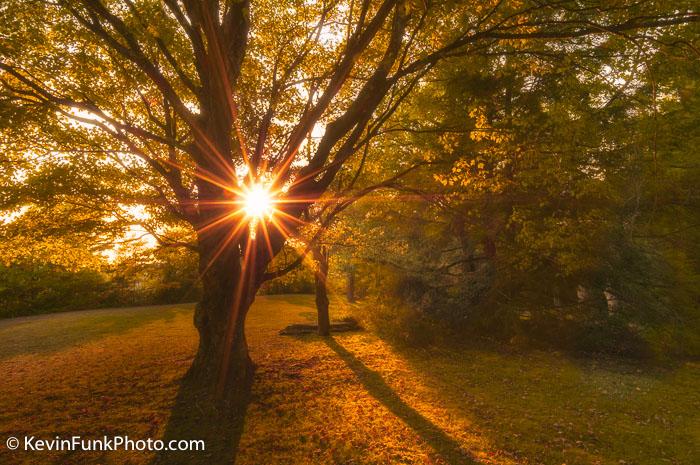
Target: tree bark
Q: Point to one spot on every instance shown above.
(350, 285)
(324, 321)
(222, 364)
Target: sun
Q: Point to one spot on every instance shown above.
(258, 202)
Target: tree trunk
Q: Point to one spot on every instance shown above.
(350, 286)
(324, 321)
(222, 365)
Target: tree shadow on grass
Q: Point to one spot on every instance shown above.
(194, 417)
(443, 444)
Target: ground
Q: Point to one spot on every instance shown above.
(352, 399)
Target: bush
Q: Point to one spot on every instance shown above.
(165, 277)
(35, 288)
(401, 324)
(515, 309)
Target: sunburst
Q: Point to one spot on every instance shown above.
(258, 202)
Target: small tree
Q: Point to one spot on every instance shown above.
(320, 255)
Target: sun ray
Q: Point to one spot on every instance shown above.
(293, 218)
(224, 243)
(266, 235)
(247, 270)
(219, 220)
(205, 175)
(279, 225)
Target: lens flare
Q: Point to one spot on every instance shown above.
(258, 202)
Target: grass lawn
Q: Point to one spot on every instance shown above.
(352, 399)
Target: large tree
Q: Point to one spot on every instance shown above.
(192, 106)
